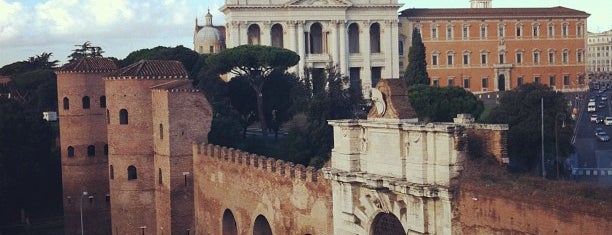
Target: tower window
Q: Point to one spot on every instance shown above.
(132, 174)
(70, 151)
(111, 172)
(86, 102)
(66, 102)
(102, 101)
(91, 151)
(106, 149)
(123, 117)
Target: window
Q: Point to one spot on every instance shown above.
(434, 32)
(551, 80)
(66, 103)
(485, 83)
(536, 30)
(519, 57)
(483, 31)
(123, 117)
(536, 79)
(449, 32)
(70, 151)
(106, 149)
(566, 79)
(519, 30)
(536, 57)
(579, 30)
(564, 30)
(400, 47)
(551, 30)
(86, 102)
(502, 58)
(211, 49)
(102, 101)
(551, 57)
(434, 60)
(435, 82)
(276, 34)
(466, 32)
(579, 56)
(451, 81)
(375, 38)
(107, 116)
(91, 151)
(519, 80)
(111, 172)
(466, 58)
(449, 58)
(466, 83)
(315, 38)
(159, 176)
(501, 30)
(253, 34)
(161, 131)
(565, 55)
(483, 58)
(353, 34)
(132, 174)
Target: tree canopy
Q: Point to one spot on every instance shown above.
(416, 72)
(521, 109)
(443, 104)
(85, 50)
(185, 55)
(256, 63)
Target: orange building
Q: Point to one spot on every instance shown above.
(495, 49)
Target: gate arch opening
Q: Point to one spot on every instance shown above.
(387, 224)
(261, 226)
(229, 223)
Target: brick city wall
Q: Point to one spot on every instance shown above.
(487, 141)
(477, 211)
(80, 128)
(293, 199)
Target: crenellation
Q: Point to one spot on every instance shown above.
(280, 164)
(271, 162)
(301, 171)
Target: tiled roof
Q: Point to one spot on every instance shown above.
(492, 12)
(151, 69)
(89, 65)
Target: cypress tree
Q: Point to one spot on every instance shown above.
(416, 72)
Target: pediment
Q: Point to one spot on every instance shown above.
(319, 3)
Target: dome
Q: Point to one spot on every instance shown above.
(208, 35)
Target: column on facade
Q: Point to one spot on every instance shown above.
(290, 42)
(394, 58)
(243, 34)
(266, 34)
(234, 39)
(300, 49)
(342, 51)
(364, 41)
(387, 44)
(334, 49)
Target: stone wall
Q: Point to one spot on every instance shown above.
(479, 212)
(293, 199)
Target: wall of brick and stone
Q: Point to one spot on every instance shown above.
(294, 199)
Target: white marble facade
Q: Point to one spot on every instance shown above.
(359, 36)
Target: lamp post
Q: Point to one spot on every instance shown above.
(81, 208)
(557, 140)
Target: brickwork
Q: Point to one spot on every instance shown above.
(83, 141)
(293, 199)
(484, 37)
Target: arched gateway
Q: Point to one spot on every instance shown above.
(387, 224)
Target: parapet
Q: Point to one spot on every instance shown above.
(271, 165)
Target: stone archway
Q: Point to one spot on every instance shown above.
(501, 82)
(229, 223)
(261, 226)
(387, 224)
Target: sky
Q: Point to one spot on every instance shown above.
(31, 27)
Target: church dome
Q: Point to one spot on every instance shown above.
(208, 35)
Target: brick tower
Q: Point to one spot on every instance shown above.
(181, 115)
(131, 144)
(84, 149)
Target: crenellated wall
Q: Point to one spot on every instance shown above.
(293, 199)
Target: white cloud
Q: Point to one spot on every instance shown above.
(9, 19)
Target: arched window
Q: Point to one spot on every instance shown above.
(261, 226)
(375, 38)
(229, 223)
(70, 151)
(353, 34)
(387, 223)
(66, 103)
(91, 151)
(316, 39)
(102, 101)
(253, 34)
(277, 35)
(132, 174)
(86, 102)
(123, 117)
(111, 172)
(161, 131)
(106, 149)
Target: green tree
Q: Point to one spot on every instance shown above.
(243, 99)
(416, 72)
(42, 61)
(188, 57)
(37, 88)
(85, 50)
(521, 109)
(256, 63)
(443, 104)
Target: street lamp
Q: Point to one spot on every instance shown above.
(81, 208)
(557, 140)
